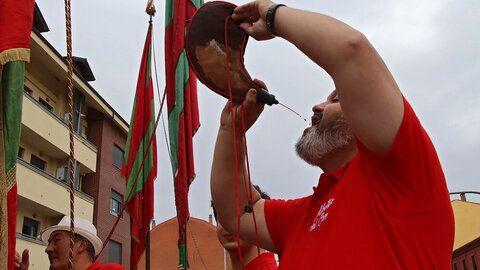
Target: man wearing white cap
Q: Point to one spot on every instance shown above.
(87, 246)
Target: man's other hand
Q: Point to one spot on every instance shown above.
(22, 263)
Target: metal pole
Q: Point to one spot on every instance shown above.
(147, 250)
(224, 259)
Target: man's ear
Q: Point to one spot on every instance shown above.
(82, 245)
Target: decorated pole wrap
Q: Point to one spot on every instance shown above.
(140, 160)
(71, 157)
(16, 19)
(183, 118)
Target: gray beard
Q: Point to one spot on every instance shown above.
(318, 142)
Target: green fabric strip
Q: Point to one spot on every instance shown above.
(181, 78)
(149, 73)
(12, 94)
(169, 12)
(182, 256)
(197, 3)
(147, 165)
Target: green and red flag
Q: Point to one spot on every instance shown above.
(140, 160)
(183, 117)
(16, 19)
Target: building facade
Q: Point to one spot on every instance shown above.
(467, 256)
(42, 165)
(466, 248)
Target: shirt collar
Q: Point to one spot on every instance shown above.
(331, 177)
(338, 174)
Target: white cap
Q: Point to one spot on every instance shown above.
(83, 227)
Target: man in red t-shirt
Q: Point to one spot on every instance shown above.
(382, 201)
(249, 252)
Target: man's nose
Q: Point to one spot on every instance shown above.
(319, 107)
(48, 248)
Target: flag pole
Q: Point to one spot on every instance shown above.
(147, 250)
(150, 12)
(3, 195)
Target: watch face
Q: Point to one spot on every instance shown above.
(212, 35)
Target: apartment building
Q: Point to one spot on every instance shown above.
(42, 165)
(466, 248)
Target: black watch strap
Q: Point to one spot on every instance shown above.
(270, 18)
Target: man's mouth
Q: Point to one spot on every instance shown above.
(316, 118)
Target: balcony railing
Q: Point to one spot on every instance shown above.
(29, 238)
(79, 135)
(50, 177)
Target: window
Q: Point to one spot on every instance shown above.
(464, 265)
(20, 152)
(45, 104)
(27, 90)
(116, 200)
(114, 252)
(117, 156)
(474, 263)
(76, 174)
(455, 267)
(30, 227)
(78, 104)
(37, 162)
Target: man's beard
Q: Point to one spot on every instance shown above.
(318, 142)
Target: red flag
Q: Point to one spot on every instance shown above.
(140, 161)
(183, 118)
(16, 19)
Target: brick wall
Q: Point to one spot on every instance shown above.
(203, 248)
(104, 134)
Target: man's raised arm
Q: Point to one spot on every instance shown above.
(224, 171)
(369, 96)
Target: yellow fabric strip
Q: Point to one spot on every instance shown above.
(17, 54)
(11, 178)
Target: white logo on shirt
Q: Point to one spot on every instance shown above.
(321, 215)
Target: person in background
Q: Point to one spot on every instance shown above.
(250, 256)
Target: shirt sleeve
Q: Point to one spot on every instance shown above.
(279, 215)
(112, 266)
(409, 176)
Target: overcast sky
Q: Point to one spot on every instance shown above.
(432, 48)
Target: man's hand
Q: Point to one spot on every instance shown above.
(22, 263)
(252, 16)
(251, 110)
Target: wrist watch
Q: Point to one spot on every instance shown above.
(270, 18)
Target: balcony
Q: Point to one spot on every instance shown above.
(51, 135)
(51, 195)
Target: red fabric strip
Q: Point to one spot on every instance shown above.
(16, 19)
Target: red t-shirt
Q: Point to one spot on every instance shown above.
(388, 211)
(266, 261)
(110, 266)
